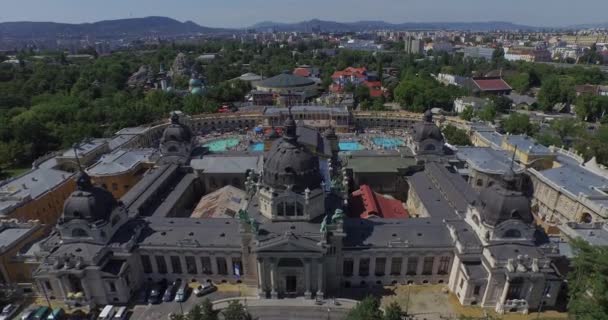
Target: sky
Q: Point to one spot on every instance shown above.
(243, 13)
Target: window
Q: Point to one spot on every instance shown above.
(515, 289)
(512, 233)
(176, 264)
(191, 265)
(47, 285)
(475, 219)
(412, 266)
(476, 290)
(586, 218)
(290, 209)
(237, 264)
(348, 267)
(79, 233)
(206, 265)
(461, 282)
(479, 182)
(222, 267)
(299, 209)
(395, 266)
(161, 264)
(444, 265)
(364, 267)
(146, 264)
(114, 186)
(112, 286)
(380, 266)
(427, 266)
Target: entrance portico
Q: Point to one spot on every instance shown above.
(292, 266)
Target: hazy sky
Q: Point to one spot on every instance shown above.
(241, 13)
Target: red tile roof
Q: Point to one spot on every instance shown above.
(375, 88)
(491, 84)
(365, 203)
(302, 72)
(350, 71)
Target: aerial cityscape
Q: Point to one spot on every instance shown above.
(322, 160)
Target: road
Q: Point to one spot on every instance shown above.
(297, 313)
(162, 310)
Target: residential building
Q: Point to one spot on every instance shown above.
(479, 53)
(476, 104)
(490, 85)
(413, 45)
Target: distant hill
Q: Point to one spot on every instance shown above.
(136, 27)
(332, 26)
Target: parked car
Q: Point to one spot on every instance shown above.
(41, 313)
(204, 289)
(142, 295)
(154, 296)
(168, 296)
(8, 311)
(56, 314)
(121, 314)
(106, 313)
(29, 313)
(182, 293)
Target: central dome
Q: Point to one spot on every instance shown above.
(501, 203)
(176, 131)
(289, 164)
(88, 203)
(426, 129)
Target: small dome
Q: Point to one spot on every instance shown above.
(195, 83)
(197, 91)
(88, 202)
(498, 204)
(176, 131)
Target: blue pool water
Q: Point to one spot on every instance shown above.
(221, 145)
(350, 146)
(256, 147)
(388, 143)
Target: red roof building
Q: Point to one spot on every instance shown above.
(365, 203)
(375, 88)
(302, 72)
(493, 85)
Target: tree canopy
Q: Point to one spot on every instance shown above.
(588, 282)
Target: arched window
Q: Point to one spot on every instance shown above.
(479, 182)
(429, 147)
(476, 220)
(79, 233)
(172, 149)
(512, 233)
(586, 218)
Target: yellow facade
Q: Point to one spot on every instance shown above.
(15, 269)
(120, 183)
(47, 208)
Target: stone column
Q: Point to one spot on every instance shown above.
(403, 265)
(273, 280)
(213, 265)
(355, 266)
(261, 284)
(199, 264)
(182, 261)
(500, 306)
(320, 279)
(229, 265)
(307, 280)
(152, 259)
(169, 265)
(436, 265)
(372, 266)
(420, 266)
(62, 288)
(387, 265)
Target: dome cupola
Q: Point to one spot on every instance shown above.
(176, 131)
(426, 129)
(88, 202)
(502, 202)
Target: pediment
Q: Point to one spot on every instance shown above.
(290, 243)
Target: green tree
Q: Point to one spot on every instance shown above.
(518, 123)
(502, 104)
(590, 107)
(367, 309)
(556, 90)
(487, 113)
(467, 114)
(456, 136)
(393, 311)
(521, 82)
(235, 311)
(566, 127)
(207, 310)
(588, 281)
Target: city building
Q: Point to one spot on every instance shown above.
(414, 46)
(479, 53)
(15, 238)
(490, 85)
(476, 104)
(485, 166)
(289, 85)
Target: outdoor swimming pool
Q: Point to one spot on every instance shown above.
(221, 145)
(388, 143)
(256, 146)
(350, 146)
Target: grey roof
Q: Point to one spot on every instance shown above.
(492, 136)
(87, 251)
(379, 163)
(578, 180)
(594, 233)
(507, 251)
(164, 232)
(120, 140)
(488, 160)
(8, 236)
(527, 144)
(33, 184)
(222, 203)
(285, 80)
(452, 186)
(85, 147)
(238, 164)
(121, 161)
(305, 109)
(521, 99)
(475, 270)
(150, 185)
(133, 130)
(422, 232)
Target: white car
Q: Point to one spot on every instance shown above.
(204, 289)
(8, 311)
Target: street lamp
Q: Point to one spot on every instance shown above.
(407, 304)
(328, 312)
